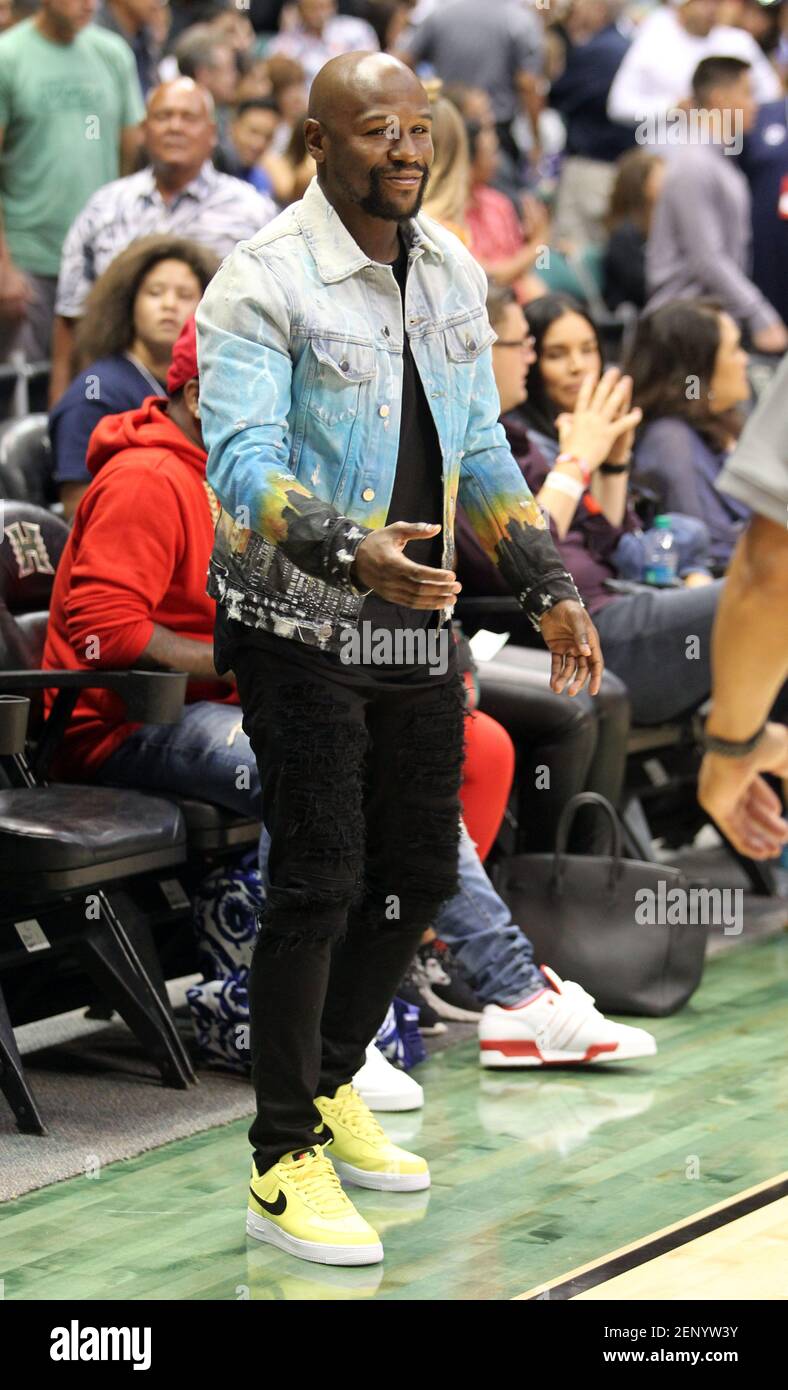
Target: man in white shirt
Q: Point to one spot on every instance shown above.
(179, 192)
(656, 73)
(319, 34)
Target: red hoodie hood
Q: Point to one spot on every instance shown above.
(147, 427)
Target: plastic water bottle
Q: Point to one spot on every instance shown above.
(661, 562)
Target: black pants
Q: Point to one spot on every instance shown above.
(360, 795)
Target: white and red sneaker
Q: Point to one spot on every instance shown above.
(557, 1026)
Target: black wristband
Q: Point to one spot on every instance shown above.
(730, 747)
(614, 467)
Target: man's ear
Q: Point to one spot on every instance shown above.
(313, 137)
(191, 395)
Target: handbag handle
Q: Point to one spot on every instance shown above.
(565, 823)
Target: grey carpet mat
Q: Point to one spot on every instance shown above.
(101, 1101)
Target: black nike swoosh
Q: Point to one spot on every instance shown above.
(276, 1208)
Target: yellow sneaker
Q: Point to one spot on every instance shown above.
(299, 1206)
(360, 1151)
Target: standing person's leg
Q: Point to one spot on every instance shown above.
(659, 643)
(309, 738)
(32, 335)
(584, 188)
(412, 813)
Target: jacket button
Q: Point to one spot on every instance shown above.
(387, 331)
(368, 494)
(470, 343)
(344, 364)
(384, 411)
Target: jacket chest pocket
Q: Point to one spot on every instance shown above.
(340, 369)
(463, 345)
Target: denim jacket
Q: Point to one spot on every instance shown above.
(300, 359)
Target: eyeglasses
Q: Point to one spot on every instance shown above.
(524, 344)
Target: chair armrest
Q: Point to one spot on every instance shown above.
(150, 697)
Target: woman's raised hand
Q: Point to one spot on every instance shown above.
(601, 418)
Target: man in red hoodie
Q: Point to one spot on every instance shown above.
(130, 591)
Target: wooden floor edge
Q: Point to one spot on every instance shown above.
(651, 1237)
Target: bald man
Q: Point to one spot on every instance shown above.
(180, 193)
(348, 400)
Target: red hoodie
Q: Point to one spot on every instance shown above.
(137, 555)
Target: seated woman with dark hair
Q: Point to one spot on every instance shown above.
(124, 344)
(571, 434)
(639, 175)
(689, 375)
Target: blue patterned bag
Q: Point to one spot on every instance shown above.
(225, 924)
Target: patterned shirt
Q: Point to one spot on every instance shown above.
(342, 34)
(215, 209)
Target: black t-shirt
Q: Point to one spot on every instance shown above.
(417, 496)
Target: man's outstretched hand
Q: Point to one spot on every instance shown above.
(382, 565)
(574, 644)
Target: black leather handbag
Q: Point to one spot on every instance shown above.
(600, 920)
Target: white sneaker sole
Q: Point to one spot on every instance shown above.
(391, 1104)
(381, 1182)
(261, 1229)
(491, 1057)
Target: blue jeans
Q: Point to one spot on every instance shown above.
(208, 755)
(493, 953)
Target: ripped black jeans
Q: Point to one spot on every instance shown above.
(360, 795)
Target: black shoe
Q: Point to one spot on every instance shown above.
(412, 993)
(448, 993)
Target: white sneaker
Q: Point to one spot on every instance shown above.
(385, 1087)
(558, 1025)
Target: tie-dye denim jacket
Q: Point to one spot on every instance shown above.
(300, 357)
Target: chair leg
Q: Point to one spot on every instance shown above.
(105, 959)
(13, 1082)
(136, 939)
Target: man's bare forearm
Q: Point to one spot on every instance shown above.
(750, 640)
(170, 651)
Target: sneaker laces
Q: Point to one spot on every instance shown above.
(355, 1114)
(581, 999)
(315, 1178)
(580, 1002)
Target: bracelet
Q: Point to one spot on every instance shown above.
(585, 471)
(563, 483)
(615, 467)
(732, 747)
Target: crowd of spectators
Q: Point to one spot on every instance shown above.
(619, 172)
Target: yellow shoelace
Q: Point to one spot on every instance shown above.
(318, 1184)
(356, 1115)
